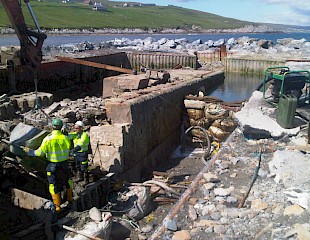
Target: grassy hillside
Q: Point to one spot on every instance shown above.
(60, 15)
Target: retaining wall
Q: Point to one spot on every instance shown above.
(145, 129)
(250, 65)
(159, 60)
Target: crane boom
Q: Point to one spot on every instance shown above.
(31, 42)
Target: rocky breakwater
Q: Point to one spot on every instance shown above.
(286, 48)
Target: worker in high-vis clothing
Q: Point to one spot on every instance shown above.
(80, 151)
(56, 148)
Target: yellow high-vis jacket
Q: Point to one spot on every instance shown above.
(55, 147)
(81, 140)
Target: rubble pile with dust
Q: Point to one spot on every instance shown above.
(90, 110)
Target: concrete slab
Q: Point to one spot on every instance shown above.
(28, 201)
(257, 118)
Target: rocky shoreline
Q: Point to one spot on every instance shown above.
(194, 29)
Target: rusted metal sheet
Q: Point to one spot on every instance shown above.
(160, 60)
(96, 65)
(94, 194)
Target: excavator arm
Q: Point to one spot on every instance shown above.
(31, 42)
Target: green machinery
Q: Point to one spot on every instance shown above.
(286, 82)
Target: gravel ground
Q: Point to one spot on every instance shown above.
(212, 211)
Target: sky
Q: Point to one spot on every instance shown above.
(291, 12)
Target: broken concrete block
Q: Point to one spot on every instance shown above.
(110, 85)
(95, 214)
(52, 108)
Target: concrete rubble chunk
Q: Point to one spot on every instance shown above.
(223, 191)
(267, 126)
(53, 108)
(146, 229)
(219, 229)
(303, 231)
(209, 186)
(210, 177)
(298, 196)
(231, 199)
(171, 224)
(233, 175)
(192, 212)
(181, 235)
(289, 168)
(293, 210)
(95, 214)
(259, 205)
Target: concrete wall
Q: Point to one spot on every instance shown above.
(145, 130)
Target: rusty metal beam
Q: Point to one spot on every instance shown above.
(96, 65)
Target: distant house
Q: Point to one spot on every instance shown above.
(136, 4)
(98, 7)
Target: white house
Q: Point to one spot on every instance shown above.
(98, 7)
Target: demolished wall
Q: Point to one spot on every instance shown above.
(146, 128)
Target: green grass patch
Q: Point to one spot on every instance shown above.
(77, 16)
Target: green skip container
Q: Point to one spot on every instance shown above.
(286, 111)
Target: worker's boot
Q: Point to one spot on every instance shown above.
(69, 195)
(57, 201)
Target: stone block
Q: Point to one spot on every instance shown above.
(133, 83)
(109, 87)
(118, 112)
(107, 144)
(110, 135)
(108, 158)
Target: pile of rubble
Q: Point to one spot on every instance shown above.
(251, 189)
(90, 110)
(273, 209)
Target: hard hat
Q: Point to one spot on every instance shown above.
(79, 123)
(57, 122)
